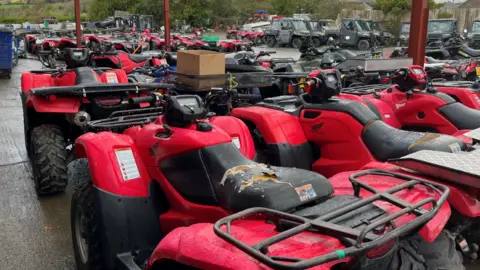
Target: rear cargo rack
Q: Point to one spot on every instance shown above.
(459, 84)
(97, 89)
(120, 120)
(361, 238)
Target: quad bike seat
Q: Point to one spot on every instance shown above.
(386, 142)
(85, 75)
(471, 52)
(461, 116)
(432, 60)
(221, 175)
(138, 58)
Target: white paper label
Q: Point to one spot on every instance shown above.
(127, 164)
(236, 142)
(111, 77)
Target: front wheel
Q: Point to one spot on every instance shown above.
(49, 159)
(297, 43)
(316, 42)
(271, 41)
(363, 45)
(86, 236)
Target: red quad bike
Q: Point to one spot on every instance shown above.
(234, 46)
(126, 61)
(404, 105)
(232, 32)
(342, 135)
(151, 176)
(56, 106)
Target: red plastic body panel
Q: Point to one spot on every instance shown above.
(237, 129)
(406, 110)
(105, 170)
(462, 200)
(195, 245)
(274, 125)
(465, 96)
(429, 232)
(338, 135)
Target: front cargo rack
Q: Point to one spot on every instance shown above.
(365, 89)
(120, 120)
(457, 84)
(324, 224)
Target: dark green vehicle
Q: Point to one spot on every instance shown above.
(291, 32)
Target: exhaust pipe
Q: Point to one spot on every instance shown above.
(80, 119)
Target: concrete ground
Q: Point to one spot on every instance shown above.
(34, 232)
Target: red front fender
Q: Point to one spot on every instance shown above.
(115, 164)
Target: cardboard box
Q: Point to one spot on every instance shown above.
(199, 62)
(200, 82)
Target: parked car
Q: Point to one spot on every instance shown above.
(357, 33)
(291, 32)
(473, 36)
(404, 33)
(381, 33)
(328, 27)
(441, 30)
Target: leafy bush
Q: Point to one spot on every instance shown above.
(443, 14)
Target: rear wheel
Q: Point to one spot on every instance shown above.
(271, 41)
(49, 159)
(363, 45)
(441, 254)
(297, 42)
(86, 236)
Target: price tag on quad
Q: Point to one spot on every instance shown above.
(477, 70)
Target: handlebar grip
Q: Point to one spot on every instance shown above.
(138, 100)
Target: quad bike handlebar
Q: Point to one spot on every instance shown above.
(364, 240)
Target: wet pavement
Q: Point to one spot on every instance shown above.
(34, 232)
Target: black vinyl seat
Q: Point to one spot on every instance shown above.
(221, 175)
(470, 51)
(85, 75)
(138, 58)
(386, 142)
(461, 116)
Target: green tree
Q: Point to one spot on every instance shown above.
(284, 7)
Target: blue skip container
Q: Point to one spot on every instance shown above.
(6, 51)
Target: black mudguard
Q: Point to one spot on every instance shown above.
(129, 224)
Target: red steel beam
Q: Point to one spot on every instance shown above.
(418, 31)
(78, 26)
(166, 17)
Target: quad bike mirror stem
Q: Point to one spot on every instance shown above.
(78, 26)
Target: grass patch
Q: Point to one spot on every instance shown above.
(16, 6)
